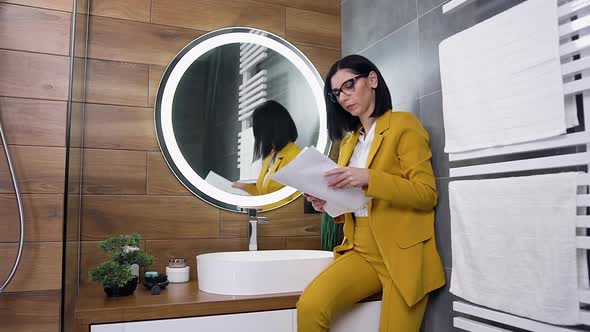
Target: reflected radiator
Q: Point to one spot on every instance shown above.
(251, 93)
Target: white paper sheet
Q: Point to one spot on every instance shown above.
(306, 173)
(224, 184)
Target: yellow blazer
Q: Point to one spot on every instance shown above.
(401, 213)
(262, 187)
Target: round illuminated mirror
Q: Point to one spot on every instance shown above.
(224, 102)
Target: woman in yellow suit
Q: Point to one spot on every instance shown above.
(274, 140)
(389, 245)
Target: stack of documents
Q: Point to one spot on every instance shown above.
(224, 184)
(306, 173)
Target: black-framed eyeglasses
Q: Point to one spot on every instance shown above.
(347, 88)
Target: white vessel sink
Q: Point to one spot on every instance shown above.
(260, 272)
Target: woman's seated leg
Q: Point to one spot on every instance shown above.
(345, 282)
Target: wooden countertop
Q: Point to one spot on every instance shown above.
(176, 301)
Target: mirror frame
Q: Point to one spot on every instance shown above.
(163, 113)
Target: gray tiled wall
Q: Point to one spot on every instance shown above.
(401, 37)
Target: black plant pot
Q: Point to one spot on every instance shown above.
(126, 290)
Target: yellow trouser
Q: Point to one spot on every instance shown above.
(355, 275)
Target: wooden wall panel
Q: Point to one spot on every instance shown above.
(271, 242)
(331, 7)
(160, 179)
(47, 31)
(30, 75)
(322, 58)
(119, 127)
(135, 10)
(154, 217)
(304, 242)
(64, 5)
(33, 122)
(117, 83)
(34, 75)
(30, 311)
(38, 169)
(312, 28)
(207, 15)
(43, 218)
(156, 73)
(127, 41)
(289, 220)
(114, 172)
(40, 267)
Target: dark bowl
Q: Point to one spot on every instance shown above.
(161, 280)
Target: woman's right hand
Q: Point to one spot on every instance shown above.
(318, 204)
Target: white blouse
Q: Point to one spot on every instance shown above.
(359, 158)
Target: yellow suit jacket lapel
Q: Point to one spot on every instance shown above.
(260, 181)
(381, 125)
(274, 168)
(347, 148)
(290, 148)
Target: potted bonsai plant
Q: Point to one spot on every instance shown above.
(115, 274)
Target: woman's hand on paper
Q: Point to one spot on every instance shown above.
(348, 177)
(239, 185)
(318, 204)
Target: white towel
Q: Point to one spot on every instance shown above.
(514, 245)
(502, 82)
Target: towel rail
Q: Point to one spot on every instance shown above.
(580, 138)
(575, 67)
(570, 8)
(567, 160)
(567, 9)
(254, 80)
(470, 325)
(576, 46)
(252, 92)
(583, 221)
(570, 28)
(454, 5)
(507, 319)
(576, 87)
(583, 242)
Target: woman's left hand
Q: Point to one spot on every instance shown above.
(348, 177)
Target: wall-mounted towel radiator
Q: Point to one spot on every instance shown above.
(251, 93)
(574, 30)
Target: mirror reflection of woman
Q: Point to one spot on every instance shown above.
(389, 245)
(274, 141)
